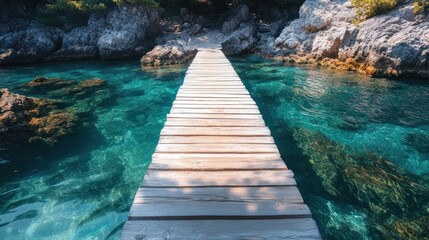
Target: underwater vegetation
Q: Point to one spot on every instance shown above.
(358, 146)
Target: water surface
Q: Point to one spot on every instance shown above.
(359, 147)
(83, 189)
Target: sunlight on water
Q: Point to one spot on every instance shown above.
(85, 192)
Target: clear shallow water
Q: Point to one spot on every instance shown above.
(359, 147)
(83, 189)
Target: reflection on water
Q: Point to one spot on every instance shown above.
(359, 147)
(84, 187)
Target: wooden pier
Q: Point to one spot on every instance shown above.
(216, 172)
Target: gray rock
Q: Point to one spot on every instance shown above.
(236, 16)
(30, 44)
(392, 44)
(172, 52)
(240, 41)
(81, 42)
(129, 28)
(194, 29)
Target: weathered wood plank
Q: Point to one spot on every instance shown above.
(211, 95)
(303, 228)
(209, 87)
(213, 116)
(179, 105)
(215, 131)
(226, 157)
(216, 148)
(214, 102)
(246, 111)
(214, 99)
(212, 164)
(214, 91)
(218, 179)
(218, 210)
(215, 122)
(288, 194)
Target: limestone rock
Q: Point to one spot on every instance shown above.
(172, 52)
(129, 29)
(393, 44)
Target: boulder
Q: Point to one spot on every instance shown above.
(236, 16)
(128, 31)
(240, 41)
(172, 52)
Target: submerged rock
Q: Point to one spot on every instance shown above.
(25, 119)
(172, 52)
(65, 110)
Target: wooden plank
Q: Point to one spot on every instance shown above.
(215, 122)
(214, 102)
(215, 131)
(226, 157)
(211, 95)
(213, 116)
(218, 179)
(218, 210)
(303, 228)
(210, 87)
(207, 100)
(214, 91)
(216, 148)
(212, 164)
(216, 139)
(178, 105)
(288, 194)
(203, 83)
(246, 111)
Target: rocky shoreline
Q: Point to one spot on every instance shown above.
(395, 44)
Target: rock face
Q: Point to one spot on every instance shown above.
(392, 44)
(237, 15)
(26, 41)
(172, 52)
(240, 31)
(240, 41)
(128, 32)
(124, 31)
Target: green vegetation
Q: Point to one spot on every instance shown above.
(366, 9)
(369, 8)
(421, 6)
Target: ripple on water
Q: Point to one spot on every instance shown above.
(85, 193)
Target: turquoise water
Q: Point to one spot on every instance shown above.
(359, 148)
(82, 189)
